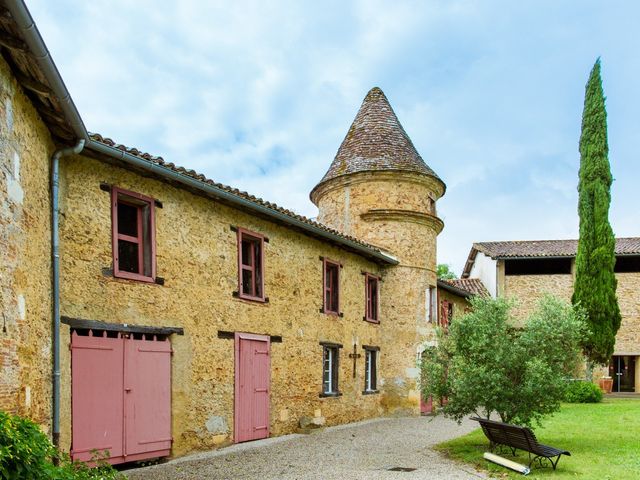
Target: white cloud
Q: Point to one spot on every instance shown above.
(259, 95)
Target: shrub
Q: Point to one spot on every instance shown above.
(485, 365)
(583, 391)
(26, 452)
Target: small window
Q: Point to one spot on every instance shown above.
(330, 363)
(446, 313)
(331, 287)
(370, 370)
(372, 298)
(432, 304)
(133, 235)
(250, 265)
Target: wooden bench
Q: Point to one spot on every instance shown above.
(521, 438)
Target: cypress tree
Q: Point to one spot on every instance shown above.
(595, 282)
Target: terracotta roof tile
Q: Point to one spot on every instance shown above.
(549, 248)
(472, 285)
(376, 141)
(198, 176)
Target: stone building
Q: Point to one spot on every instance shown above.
(189, 314)
(454, 297)
(526, 270)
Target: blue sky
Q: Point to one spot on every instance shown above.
(259, 95)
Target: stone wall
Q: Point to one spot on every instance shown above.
(460, 304)
(25, 308)
(196, 256)
(395, 211)
(628, 337)
(527, 290)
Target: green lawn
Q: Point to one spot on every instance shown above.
(603, 438)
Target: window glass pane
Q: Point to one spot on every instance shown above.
(326, 370)
(127, 219)
(372, 300)
(373, 367)
(128, 257)
(367, 370)
(247, 284)
(334, 287)
(247, 252)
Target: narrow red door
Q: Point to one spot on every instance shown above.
(252, 385)
(147, 392)
(96, 392)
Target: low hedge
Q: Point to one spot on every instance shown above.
(27, 453)
(583, 391)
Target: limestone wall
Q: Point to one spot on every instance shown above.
(395, 211)
(196, 256)
(25, 318)
(460, 304)
(527, 290)
(628, 337)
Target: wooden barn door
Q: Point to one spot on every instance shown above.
(147, 398)
(96, 395)
(120, 396)
(252, 386)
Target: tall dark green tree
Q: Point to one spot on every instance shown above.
(595, 283)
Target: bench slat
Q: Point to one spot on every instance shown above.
(518, 437)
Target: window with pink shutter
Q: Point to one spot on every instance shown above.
(250, 265)
(372, 293)
(133, 235)
(331, 287)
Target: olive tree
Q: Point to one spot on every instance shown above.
(487, 365)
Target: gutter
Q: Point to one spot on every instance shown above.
(33, 39)
(55, 288)
(160, 171)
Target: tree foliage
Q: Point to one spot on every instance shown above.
(485, 365)
(444, 272)
(595, 284)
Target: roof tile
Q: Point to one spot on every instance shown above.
(252, 198)
(472, 285)
(549, 248)
(376, 141)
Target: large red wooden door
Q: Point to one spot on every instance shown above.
(252, 386)
(121, 396)
(96, 393)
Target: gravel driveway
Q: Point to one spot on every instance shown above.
(364, 450)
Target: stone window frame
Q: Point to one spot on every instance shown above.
(330, 369)
(146, 238)
(328, 290)
(370, 374)
(256, 267)
(372, 305)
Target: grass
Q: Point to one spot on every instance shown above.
(603, 438)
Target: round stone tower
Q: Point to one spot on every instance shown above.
(379, 190)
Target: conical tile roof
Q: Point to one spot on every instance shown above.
(376, 141)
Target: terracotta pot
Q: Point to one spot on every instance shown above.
(606, 384)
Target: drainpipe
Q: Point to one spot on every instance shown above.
(55, 293)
